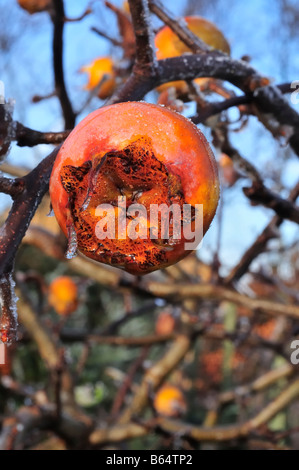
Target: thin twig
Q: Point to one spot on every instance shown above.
(259, 245)
(10, 186)
(58, 23)
(216, 108)
(215, 293)
(265, 381)
(130, 430)
(103, 34)
(179, 27)
(14, 229)
(285, 209)
(119, 399)
(155, 375)
(26, 137)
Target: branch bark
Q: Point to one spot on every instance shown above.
(58, 17)
(269, 232)
(145, 60)
(215, 434)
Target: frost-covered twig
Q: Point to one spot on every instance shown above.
(216, 108)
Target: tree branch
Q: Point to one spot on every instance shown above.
(131, 430)
(26, 137)
(179, 27)
(58, 17)
(216, 108)
(269, 232)
(258, 194)
(155, 375)
(145, 60)
(216, 293)
(22, 211)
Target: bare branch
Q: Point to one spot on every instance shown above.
(259, 384)
(13, 187)
(270, 101)
(14, 229)
(13, 170)
(145, 56)
(130, 430)
(216, 293)
(58, 22)
(179, 27)
(114, 41)
(258, 194)
(155, 376)
(216, 108)
(269, 232)
(26, 137)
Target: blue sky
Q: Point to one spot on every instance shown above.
(253, 28)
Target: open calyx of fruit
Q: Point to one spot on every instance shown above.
(122, 164)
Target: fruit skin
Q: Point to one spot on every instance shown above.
(166, 145)
(63, 295)
(96, 70)
(169, 45)
(35, 6)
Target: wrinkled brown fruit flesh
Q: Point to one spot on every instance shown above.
(137, 174)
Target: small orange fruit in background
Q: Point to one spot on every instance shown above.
(63, 295)
(266, 329)
(212, 363)
(228, 171)
(6, 360)
(165, 323)
(34, 6)
(169, 45)
(169, 401)
(126, 8)
(143, 154)
(101, 69)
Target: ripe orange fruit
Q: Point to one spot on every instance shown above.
(34, 6)
(63, 295)
(229, 173)
(169, 401)
(266, 329)
(98, 70)
(132, 155)
(126, 8)
(165, 323)
(169, 45)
